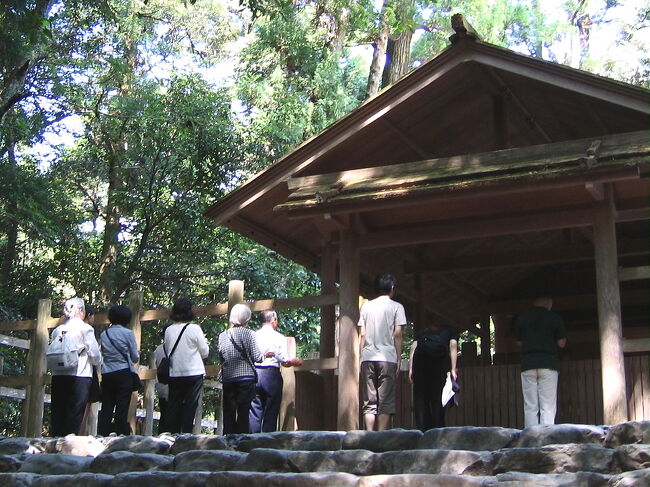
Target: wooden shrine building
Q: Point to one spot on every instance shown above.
(479, 179)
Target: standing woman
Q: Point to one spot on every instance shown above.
(433, 353)
(120, 353)
(71, 388)
(186, 369)
(238, 351)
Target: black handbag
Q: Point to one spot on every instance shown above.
(162, 371)
(136, 382)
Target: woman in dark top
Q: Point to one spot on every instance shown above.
(433, 354)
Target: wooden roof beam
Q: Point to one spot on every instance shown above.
(487, 227)
(405, 138)
(534, 257)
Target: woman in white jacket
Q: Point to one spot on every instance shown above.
(186, 369)
(71, 388)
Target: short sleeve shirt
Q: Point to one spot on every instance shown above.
(270, 340)
(539, 329)
(379, 317)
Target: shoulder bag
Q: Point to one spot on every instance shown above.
(162, 371)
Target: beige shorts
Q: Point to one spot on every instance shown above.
(378, 390)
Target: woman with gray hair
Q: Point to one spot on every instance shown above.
(238, 351)
(71, 386)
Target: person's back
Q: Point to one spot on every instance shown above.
(541, 333)
(380, 344)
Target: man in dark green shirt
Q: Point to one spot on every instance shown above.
(541, 333)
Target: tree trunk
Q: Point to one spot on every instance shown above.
(9, 257)
(398, 55)
(12, 83)
(111, 233)
(378, 56)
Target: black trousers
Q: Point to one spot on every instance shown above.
(237, 397)
(265, 408)
(162, 422)
(69, 397)
(116, 398)
(184, 393)
(428, 382)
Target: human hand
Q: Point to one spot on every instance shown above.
(269, 354)
(454, 374)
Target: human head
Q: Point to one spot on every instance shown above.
(119, 315)
(90, 314)
(240, 314)
(74, 308)
(385, 283)
(544, 301)
(269, 316)
(182, 311)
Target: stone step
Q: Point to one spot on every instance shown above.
(564, 455)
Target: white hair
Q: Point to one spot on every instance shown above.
(73, 307)
(240, 315)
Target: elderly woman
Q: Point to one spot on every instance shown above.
(238, 351)
(71, 386)
(186, 346)
(120, 353)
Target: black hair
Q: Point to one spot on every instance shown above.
(384, 283)
(182, 311)
(119, 314)
(90, 311)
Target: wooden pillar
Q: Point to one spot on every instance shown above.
(198, 415)
(235, 294)
(35, 391)
(287, 417)
(327, 313)
(609, 310)
(348, 383)
(135, 303)
(148, 400)
(486, 341)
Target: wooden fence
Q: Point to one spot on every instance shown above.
(491, 396)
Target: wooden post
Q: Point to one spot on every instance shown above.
(486, 341)
(148, 400)
(235, 294)
(348, 384)
(135, 303)
(287, 417)
(327, 313)
(198, 415)
(609, 310)
(35, 391)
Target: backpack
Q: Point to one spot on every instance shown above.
(432, 345)
(61, 356)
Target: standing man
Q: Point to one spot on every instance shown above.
(265, 407)
(380, 344)
(541, 334)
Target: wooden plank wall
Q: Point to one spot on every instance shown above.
(491, 396)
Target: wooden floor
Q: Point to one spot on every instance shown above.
(491, 396)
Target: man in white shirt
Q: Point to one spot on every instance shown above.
(265, 408)
(380, 343)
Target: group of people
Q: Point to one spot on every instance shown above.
(433, 361)
(251, 361)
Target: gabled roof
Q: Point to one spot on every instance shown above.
(478, 106)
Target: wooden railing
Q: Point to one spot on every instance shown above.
(36, 378)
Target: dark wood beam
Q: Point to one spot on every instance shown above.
(404, 197)
(637, 297)
(528, 257)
